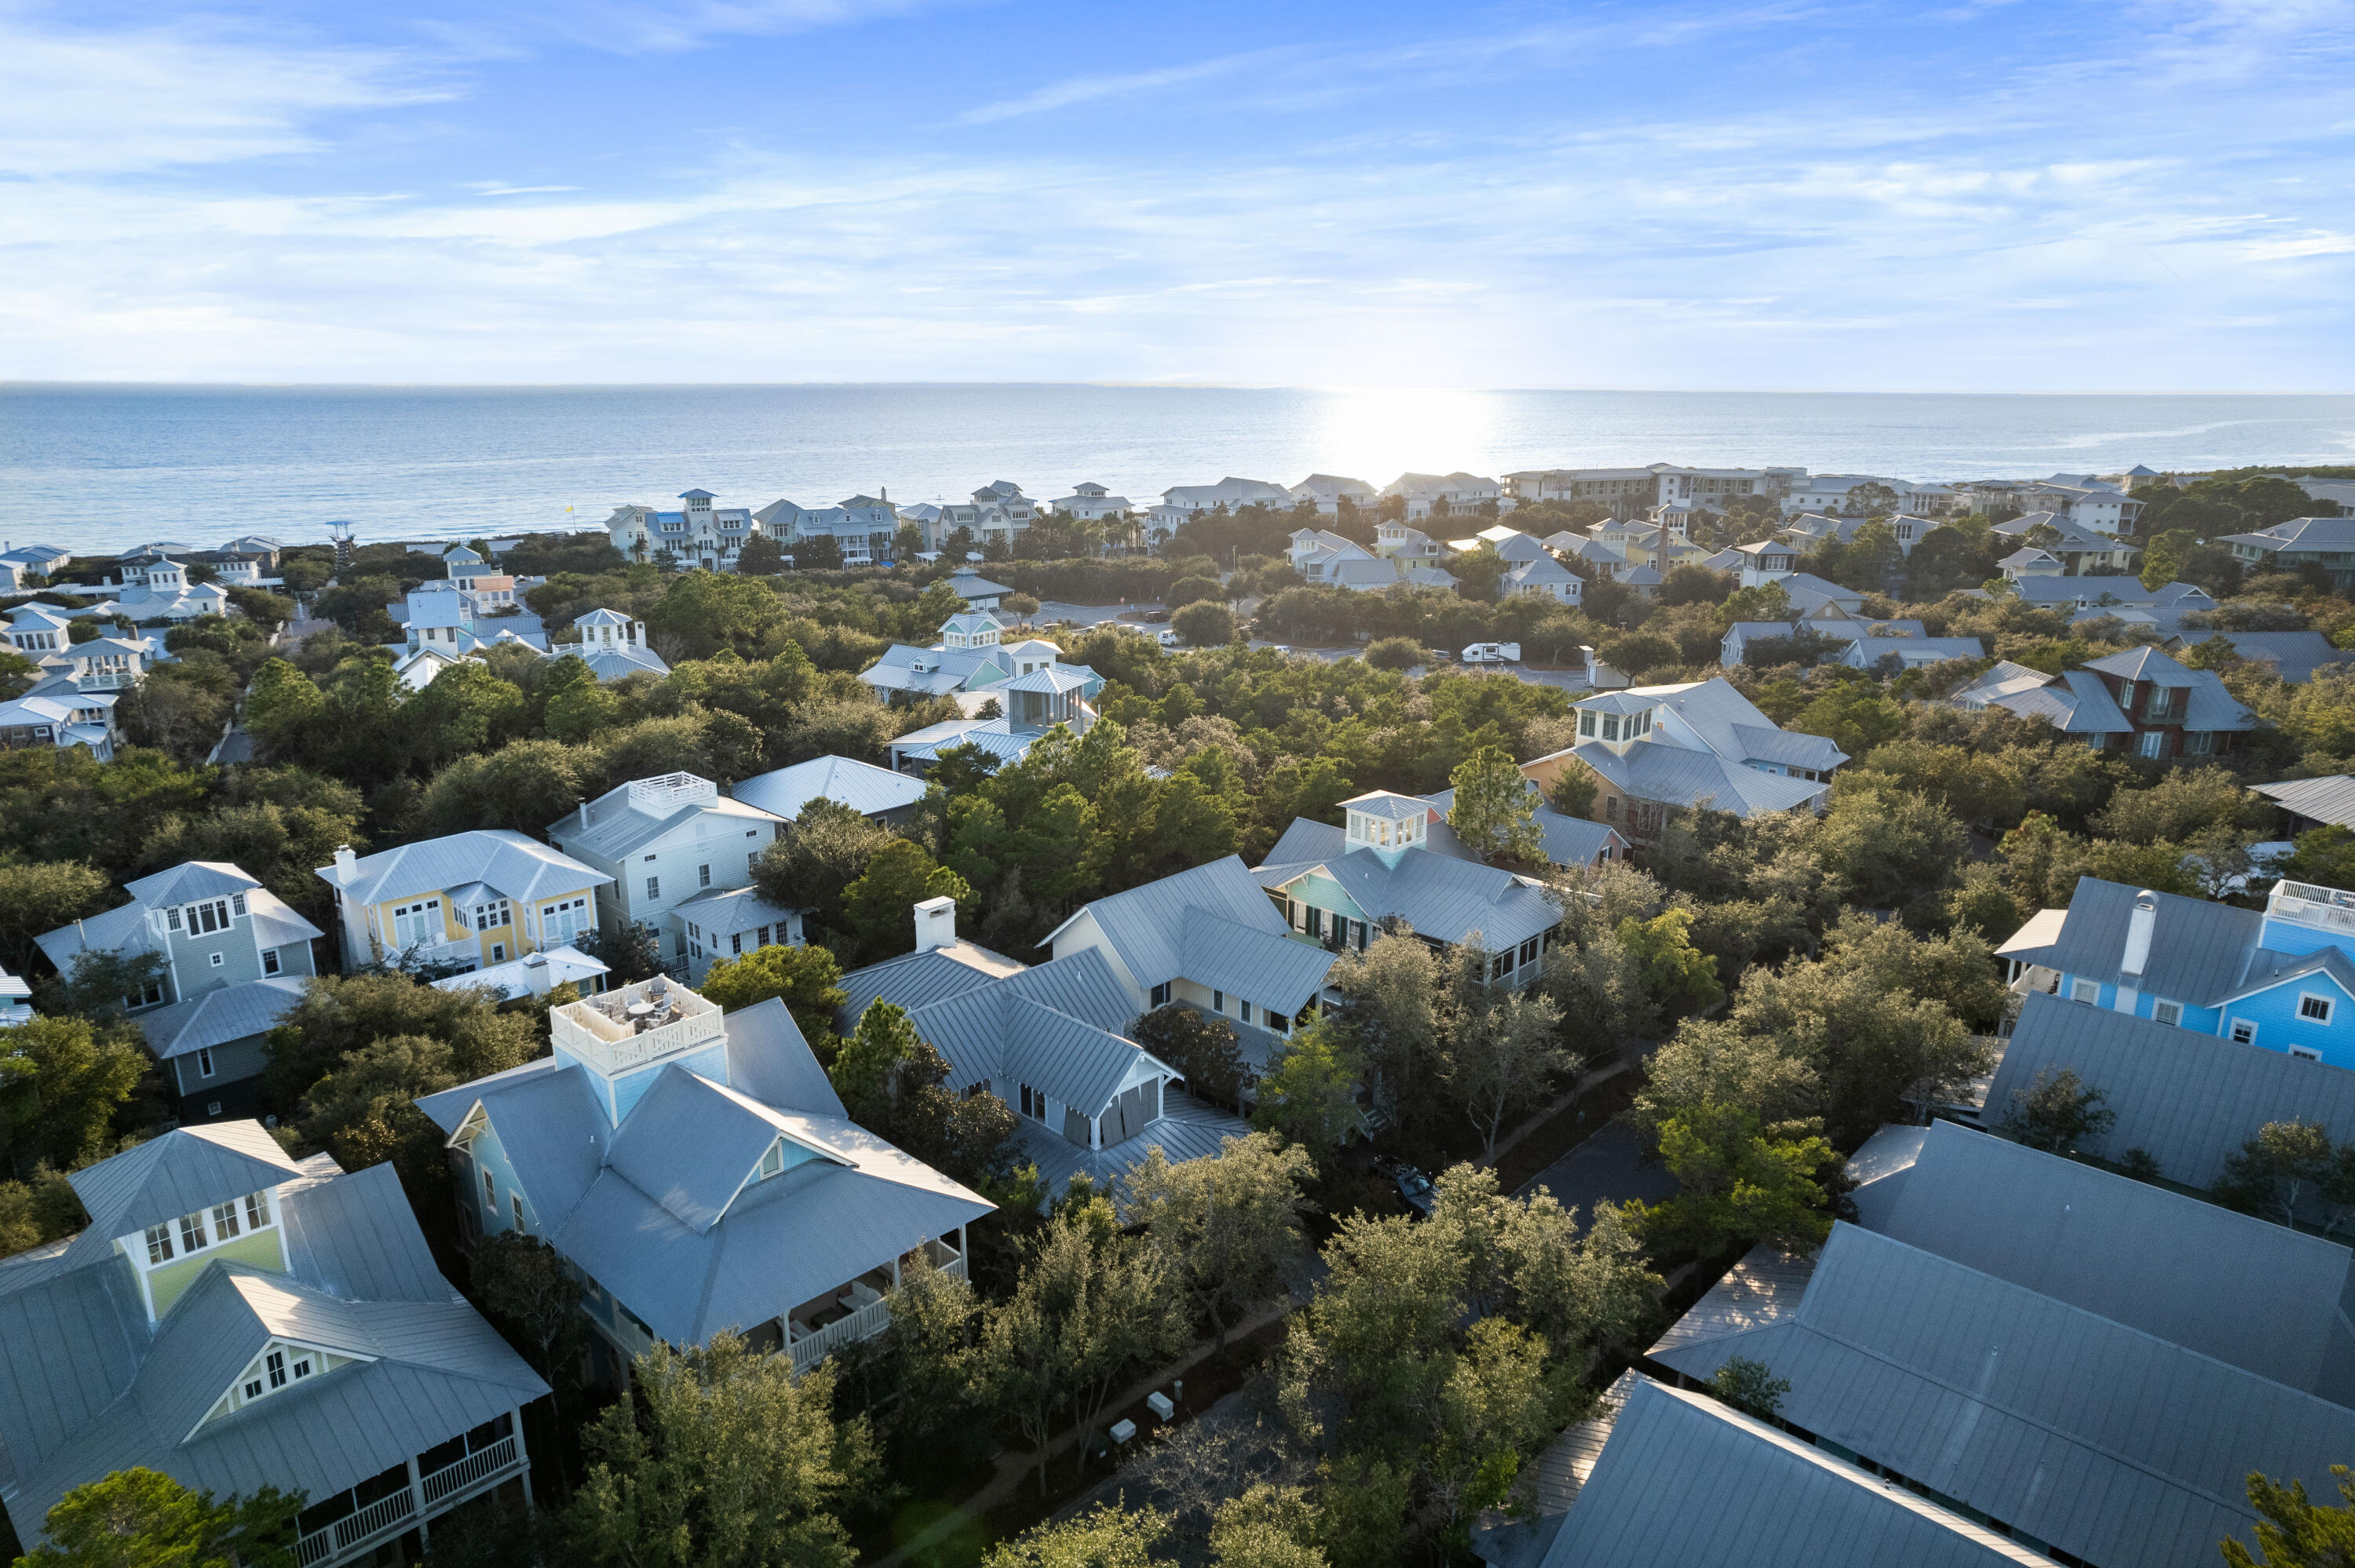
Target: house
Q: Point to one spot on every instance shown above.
(973, 657)
(699, 1173)
(2028, 561)
(1090, 503)
(1208, 938)
(1765, 561)
(457, 619)
(1336, 884)
(1445, 494)
(726, 923)
(1314, 550)
(2083, 551)
(1378, 576)
(1051, 1041)
(235, 1320)
(534, 974)
(1329, 489)
(614, 646)
(1396, 540)
(16, 1001)
(105, 664)
(2328, 543)
(2082, 596)
(1810, 594)
(2275, 979)
(1598, 559)
(1910, 648)
(1654, 749)
(2295, 656)
(1509, 543)
(656, 842)
(977, 591)
(2139, 701)
(1571, 842)
(1673, 1476)
(1643, 489)
(57, 715)
(998, 514)
(235, 957)
(155, 587)
(875, 792)
(1545, 578)
(698, 534)
(2060, 1427)
(863, 527)
(467, 900)
(39, 630)
(2310, 804)
(2113, 1246)
(2087, 502)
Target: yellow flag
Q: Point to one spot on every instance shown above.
(567, 509)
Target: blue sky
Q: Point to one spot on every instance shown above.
(1983, 196)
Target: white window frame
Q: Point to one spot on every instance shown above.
(271, 963)
(2160, 1011)
(2233, 1028)
(2306, 1052)
(2077, 989)
(205, 1062)
(2307, 998)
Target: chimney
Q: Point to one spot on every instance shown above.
(345, 861)
(2139, 926)
(936, 923)
(584, 813)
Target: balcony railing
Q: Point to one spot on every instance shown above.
(865, 1323)
(369, 1527)
(2317, 906)
(479, 1466)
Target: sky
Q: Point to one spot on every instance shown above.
(1984, 196)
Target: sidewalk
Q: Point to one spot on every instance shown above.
(1018, 1469)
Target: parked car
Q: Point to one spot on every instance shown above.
(1157, 616)
(1167, 638)
(1493, 653)
(1413, 1184)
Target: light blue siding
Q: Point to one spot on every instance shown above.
(2296, 938)
(490, 1155)
(2274, 1012)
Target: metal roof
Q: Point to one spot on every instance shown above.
(2198, 950)
(2294, 655)
(125, 926)
(2143, 664)
(1569, 841)
(1651, 771)
(2116, 1247)
(1442, 897)
(1388, 804)
(913, 980)
(186, 1170)
(2327, 800)
(1793, 748)
(190, 882)
(861, 786)
(724, 911)
(517, 866)
(1187, 1128)
(1010, 1029)
(216, 1017)
(1215, 917)
(2190, 1099)
(534, 974)
(1687, 1481)
(619, 824)
(770, 1059)
(2104, 1441)
(689, 1145)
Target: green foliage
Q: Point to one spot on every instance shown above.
(2284, 1166)
(1398, 653)
(364, 1110)
(1309, 1092)
(40, 1210)
(1739, 1184)
(530, 1293)
(1228, 1228)
(338, 1016)
(142, 1518)
(1207, 623)
(38, 896)
(1106, 1536)
(1268, 1527)
(807, 978)
(876, 908)
(2324, 857)
(1494, 811)
(1678, 974)
(864, 1065)
(1749, 1386)
(1204, 1050)
(2058, 1112)
(63, 1082)
(725, 1459)
(2294, 1532)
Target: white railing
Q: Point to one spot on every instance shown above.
(668, 791)
(587, 1030)
(354, 1530)
(865, 1323)
(474, 1467)
(2304, 901)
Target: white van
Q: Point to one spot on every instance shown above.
(1169, 638)
(1493, 653)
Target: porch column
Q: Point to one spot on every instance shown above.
(416, 1491)
(516, 1416)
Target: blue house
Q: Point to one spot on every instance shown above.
(2281, 979)
(697, 1173)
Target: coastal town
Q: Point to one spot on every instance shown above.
(1590, 1015)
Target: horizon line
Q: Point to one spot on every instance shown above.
(11, 385)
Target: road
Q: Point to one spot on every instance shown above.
(1606, 1169)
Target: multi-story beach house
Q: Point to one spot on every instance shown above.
(661, 841)
(464, 902)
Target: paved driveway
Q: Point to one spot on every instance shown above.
(1606, 1169)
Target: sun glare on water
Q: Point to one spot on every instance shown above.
(1378, 433)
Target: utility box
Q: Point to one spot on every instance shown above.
(1158, 1402)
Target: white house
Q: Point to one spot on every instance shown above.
(1545, 578)
(698, 534)
(862, 527)
(997, 515)
(1091, 502)
(55, 713)
(1394, 540)
(663, 841)
(1329, 489)
(1446, 492)
(613, 645)
(1315, 551)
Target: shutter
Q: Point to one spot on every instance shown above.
(1075, 1127)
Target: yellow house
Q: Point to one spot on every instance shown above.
(470, 900)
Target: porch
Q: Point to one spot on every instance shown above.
(356, 1522)
(859, 1310)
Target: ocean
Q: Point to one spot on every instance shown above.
(103, 468)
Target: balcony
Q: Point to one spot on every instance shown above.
(859, 1310)
(365, 1528)
(635, 1024)
(464, 949)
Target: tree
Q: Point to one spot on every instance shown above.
(1502, 1058)
(61, 1082)
(864, 1066)
(1106, 1536)
(816, 859)
(899, 876)
(1204, 1050)
(1267, 1527)
(734, 1463)
(573, 705)
(142, 1518)
(1400, 654)
(761, 557)
(2273, 1172)
(365, 1111)
(1228, 1228)
(283, 709)
(807, 978)
(1675, 971)
(38, 896)
(1206, 624)
(1750, 1387)
(41, 1210)
(2058, 1112)
(2296, 1532)
(534, 1298)
(629, 950)
(1390, 1027)
(1738, 1185)
(337, 1017)
(1494, 811)
(1573, 788)
(1309, 1093)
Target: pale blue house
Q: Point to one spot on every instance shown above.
(2282, 978)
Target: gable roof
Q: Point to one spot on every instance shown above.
(619, 824)
(2327, 800)
(520, 867)
(216, 1017)
(2104, 1441)
(1444, 898)
(1687, 1481)
(186, 1169)
(2199, 950)
(1213, 925)
(125, 928)
(2116, 1247)
(1675, 777)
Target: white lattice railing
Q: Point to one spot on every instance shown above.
(354, 1530)
(474, 1467)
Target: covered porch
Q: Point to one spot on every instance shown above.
(860, 1308)
(355, 1524)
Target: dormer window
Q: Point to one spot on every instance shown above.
(772, 1163)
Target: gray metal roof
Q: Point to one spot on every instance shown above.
(916, 980)
(2143, 664)
(689, 1145)
(2294, 655)
(2198, 950)
(187, 1169)
(1793, 748)
(216, 1017)
(123, 928)
(1569, 841)
(1688, 1481)
(1009, 1031)
(1187, 1128)
(520, 867)
(190, 882)
(2117, 1248)
(770, 1059)
(618, 825)
(1442, 897)
(2104, 1441)
(729, 911)
(1213, 925)
(861, 786)
(2326, 800)
(1669, 774)
(2190, 1099)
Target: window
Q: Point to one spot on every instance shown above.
(236, 903)
(223, 1221)
(2153, 743)
(2313, 1009)
(253, 1389)
(498, 952)
(491, 916)
(219, 960)
(2305, 1053)
(736, 942)
(414, 925)
(515, 1206)
(761, 937)
(560, 923)
(653, 888)
(650, 860)
(205, 1062)
(1529, 951)
(192, 1233)
(257, 1209)
(702, 876)
(270, 964)
(1161, 994)
(1218, 1002)
(1242, 1011)
(1279, 1023)
(490, 1192)
(2086, 990)
(2168, 1013)
(159, 1245)
(1314, 922)
(2244, 1032)
(774, 1162)
(1500, 965)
